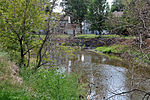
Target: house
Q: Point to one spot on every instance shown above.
(67, 27)
(117, 14)
(86, 28)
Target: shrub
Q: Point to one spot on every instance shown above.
(50, 84)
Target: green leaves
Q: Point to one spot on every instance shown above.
(118, 5)
(54, 85)
(18, 19)
(76, 9)
(97, 11)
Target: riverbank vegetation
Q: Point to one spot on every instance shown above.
(10, 88)
(27, 70)
(116, 49)
(33, 44)
(26, 84)
(85, 36)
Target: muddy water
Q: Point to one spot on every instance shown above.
(106, 77)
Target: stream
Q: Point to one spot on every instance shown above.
(106, 76)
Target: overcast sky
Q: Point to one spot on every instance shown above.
(58, 9)
(109, 1)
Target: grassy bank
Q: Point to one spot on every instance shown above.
(112, 49)
(111, 44)
(87, 36)
(10, 87)
(45, 84)
(122, 49)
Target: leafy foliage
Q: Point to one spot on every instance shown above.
(52, 84)
(19, 19)
(47, 84)
(117, 5)
(97, 11)
(76, 9)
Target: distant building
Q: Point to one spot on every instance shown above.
(117, 14)
(66, 27)
(86, 28)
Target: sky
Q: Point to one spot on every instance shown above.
(59, 9)
(109, 1)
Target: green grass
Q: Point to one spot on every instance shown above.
(85, 36)
(112, 49)
(13, 92)
(10, 89)
(52, 84)
(45, 84)
(118, 36)
(109, 56)
(129, 37)
(88, 36)
(118, 49)
(110, 36)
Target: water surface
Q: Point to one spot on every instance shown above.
(106, 76)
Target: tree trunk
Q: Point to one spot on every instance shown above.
(74, 32)
(39, 55)
(21, 54)
(81, 27)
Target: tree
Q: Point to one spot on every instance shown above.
(97, 12)
(135, 21)
(43, 51)
(20, 21)
(117, 5)
(76, 9)
(137, 15)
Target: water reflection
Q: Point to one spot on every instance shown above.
(103, 59)
(104, 79)
(103, 74)
(69, 67)
(114, 81)
(82, 58)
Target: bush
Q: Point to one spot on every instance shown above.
(13, 93)
(50, 84)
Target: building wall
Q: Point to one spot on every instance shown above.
(69, 31)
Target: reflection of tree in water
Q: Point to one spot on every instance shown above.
(107, 81)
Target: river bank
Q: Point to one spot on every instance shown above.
(114, 45)
(25, 84)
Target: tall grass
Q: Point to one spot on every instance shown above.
(49, 84)
(10, 89)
